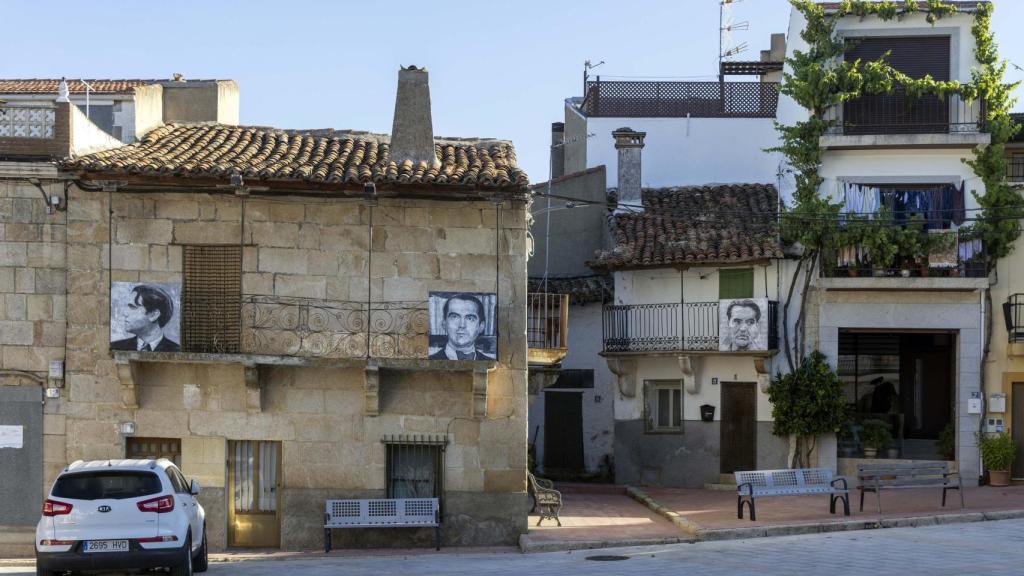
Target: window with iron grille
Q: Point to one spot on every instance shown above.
(212, 299)
(415, 467)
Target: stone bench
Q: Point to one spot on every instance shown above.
(876, 477)
(754, 484)
(383, 513)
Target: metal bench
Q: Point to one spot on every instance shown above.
(383, 513)
(875, 477)
(546, 498)
(791, 482)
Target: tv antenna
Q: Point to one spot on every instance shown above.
(726, 26)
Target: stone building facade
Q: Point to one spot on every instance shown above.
(304, 263)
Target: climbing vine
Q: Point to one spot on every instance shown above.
(819, 79)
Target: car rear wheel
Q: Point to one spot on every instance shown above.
(185, 567)
(201, 561)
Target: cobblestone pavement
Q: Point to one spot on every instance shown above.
(976, 548)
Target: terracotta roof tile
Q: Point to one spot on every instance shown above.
(322, 157)
(49, 86)
(696, 225)
(581, 289)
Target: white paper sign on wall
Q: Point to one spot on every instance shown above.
(12, 436)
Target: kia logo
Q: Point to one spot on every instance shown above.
(104, 508)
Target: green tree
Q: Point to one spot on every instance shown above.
(807, 403)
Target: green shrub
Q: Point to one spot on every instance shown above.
(998, 450)
(875, 434)
(946, 443)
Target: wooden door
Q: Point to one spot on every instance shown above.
(254, 506)
(1017, 412)
(563, 431)
(738, 431)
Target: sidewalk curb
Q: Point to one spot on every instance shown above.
(529, 546)
(681, 522)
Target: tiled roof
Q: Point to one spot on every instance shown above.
(322, 157)
(695, 225)
(49, 86)
(581, 289)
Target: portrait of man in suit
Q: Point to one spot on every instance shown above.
(144, 311)
(461, 331)
(743, 325)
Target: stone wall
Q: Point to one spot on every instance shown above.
(309, 248)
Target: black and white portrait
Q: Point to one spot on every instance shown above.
(743, 324)
(145, 317)
(463, 326)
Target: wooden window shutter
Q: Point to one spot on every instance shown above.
(212, 299)
(735, 283)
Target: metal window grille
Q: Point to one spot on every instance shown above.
(212, 298)
(415, 466)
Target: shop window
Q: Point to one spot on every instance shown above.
(663, 406)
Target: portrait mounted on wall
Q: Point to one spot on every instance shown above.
(145, 317)
(463, 326)
(743, 324)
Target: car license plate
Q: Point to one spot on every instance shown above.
(105, 546)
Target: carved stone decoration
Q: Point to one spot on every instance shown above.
(480, 392)
(764, 373)
(541, 378)
(689, 365)
(371, 390)
(127, 373)
(625, 375)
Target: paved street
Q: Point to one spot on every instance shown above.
(978, 548)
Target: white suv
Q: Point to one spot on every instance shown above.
(121, 515)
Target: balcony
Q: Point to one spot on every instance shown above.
(671, 328)
(1015, 169)
(897, 119)
(547, 328)
(1013, 315)
(645, 99)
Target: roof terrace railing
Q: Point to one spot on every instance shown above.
(647, 99)
(27, 121)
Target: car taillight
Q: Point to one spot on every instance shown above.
(158, 505)
(54, 508)
(171, 538)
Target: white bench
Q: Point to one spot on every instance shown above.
(383, 513)
(789, 482)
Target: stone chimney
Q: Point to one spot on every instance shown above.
(412, 134)
(629, 144)
(557, 150)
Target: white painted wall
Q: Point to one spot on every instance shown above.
(661, 285)
(681, 151)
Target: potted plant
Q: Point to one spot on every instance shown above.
(880, 241)
(910, 242)
(875, 435)
(845, 242)
(946, 442)
(998, 451)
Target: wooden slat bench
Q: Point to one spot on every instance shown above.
(754, 484)
(875, 477)
(383, 513)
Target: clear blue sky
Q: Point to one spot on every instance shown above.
(499, 69)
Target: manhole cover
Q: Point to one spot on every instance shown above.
(607, 558)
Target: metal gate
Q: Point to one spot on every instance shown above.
(254, 508)
(21, 454)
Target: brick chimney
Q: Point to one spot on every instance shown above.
(557, 150)
(412, 134)
(629, 144)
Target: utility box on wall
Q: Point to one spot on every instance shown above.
(997, 403)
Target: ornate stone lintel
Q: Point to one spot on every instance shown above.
(689, 365)
(764, 373)
(371, 390)
(625, 375)
(127, 373)
(480, 392)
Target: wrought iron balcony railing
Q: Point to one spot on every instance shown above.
(964, 257)
(646, 99)
(1013, 315)
(896, 112)
(671, 327)
(1015, 169)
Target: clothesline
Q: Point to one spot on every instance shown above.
(939, 207)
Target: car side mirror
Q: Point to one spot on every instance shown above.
(194, 488)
